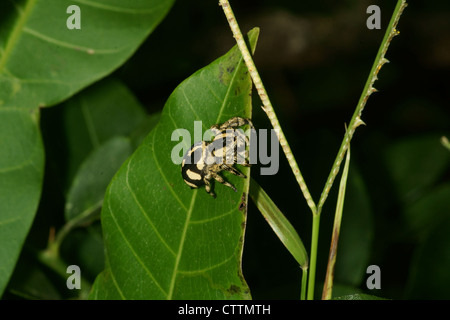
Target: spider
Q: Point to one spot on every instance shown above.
(204, 160)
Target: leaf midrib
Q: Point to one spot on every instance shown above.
(93, 136)
(130, 247)
(180, 250)
(194, 196)
(15, 34)
(117, 9)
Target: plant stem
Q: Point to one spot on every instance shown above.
(328, 285)
(87, 215)
(356, 121)
(51, 258)
(313, 261)
(267, 105)
(304, 281)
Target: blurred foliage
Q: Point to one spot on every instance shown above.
(314, 57)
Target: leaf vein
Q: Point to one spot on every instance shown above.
(130, 247)
(207, 83)
(141, 209)
(89, 124)
(181, 246)
(23, 164)
(191, 107)
(114, 280)
(70, 45)
(198, 271)
(229, 89)
(16, 32)
(213, 218)
(117, 9)
(162, 173)
(10, 75)
(8, 221)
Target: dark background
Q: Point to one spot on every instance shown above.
(314, 58)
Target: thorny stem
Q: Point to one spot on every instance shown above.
(267, 105)
(356, 121)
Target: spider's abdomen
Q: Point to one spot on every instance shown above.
(193, 165)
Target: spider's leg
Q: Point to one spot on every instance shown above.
(230, 150)
(250, 123)
(245, 163)
(215, 130)
(232, 170)
(242, 148)
(207, 181)
(241, 135)
(222, 181)
(236, 122)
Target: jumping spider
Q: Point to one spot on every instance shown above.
(204, 160)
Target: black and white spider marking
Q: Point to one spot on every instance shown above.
(204, 160)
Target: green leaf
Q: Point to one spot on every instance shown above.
(142, 130)
(279, 224)
(429, 211)
(415, 164)
(97, 122)
(30, 281)
(21, 171)
(329, 279)
(358, 296)
(84, 247)
(430, 276)
(340, 290)
(42, 62)
(86, 193)
(103, 111)
(164, 240)
(357, 232)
